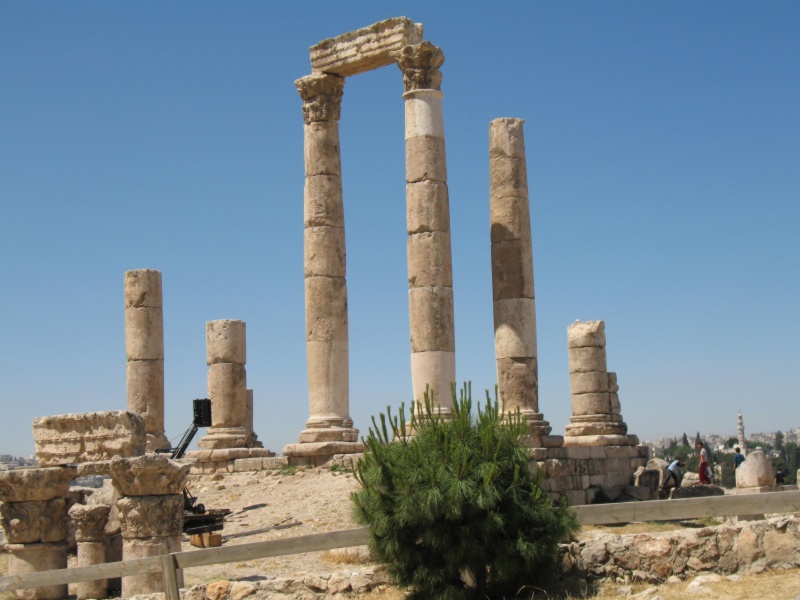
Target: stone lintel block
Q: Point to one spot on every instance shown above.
(431, 318)
(90, 521)
(145, 388)
(425, 159)
(146, 517)
(427, 207)
(143, 289)
(87, 437)
(578, 453)
(328, 380)
(24, 559)
(323, 448)
(144, 333)
(424, 114)
(590, 382)
(326, 309)
(227, 390)
(323, 204)
(510, 219)
(435, 371)
(515, 328)
(332, 434)
(321, 149)
(148, 475)
(587, 360)
(512, 269)
(596, 403)
(324, 252)
(36, 521)
(517, 384)
(613, 386)
(507, 138)
(366, 48)
(429, 260)
(582, 334)
(226, 342)
(508, 177)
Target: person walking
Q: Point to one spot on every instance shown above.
(673, 474)
(702, 470)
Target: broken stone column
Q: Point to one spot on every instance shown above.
(594, 421)
(227, 384)
(33, 514)
(430, 270)
(151, 513)
(144, 346)
(90, 535)
(512, 280)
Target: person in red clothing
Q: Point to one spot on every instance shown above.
(702, 470)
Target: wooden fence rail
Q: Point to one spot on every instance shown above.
(595, 514)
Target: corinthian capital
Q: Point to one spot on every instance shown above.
(420, 66)
(322, 96)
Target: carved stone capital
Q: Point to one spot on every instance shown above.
(148, 475)
(151, 516)
(90, 521)
(322, 96)
(33, 522)
(420, 66)
(27, 485)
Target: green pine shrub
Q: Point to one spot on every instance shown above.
(454, 510)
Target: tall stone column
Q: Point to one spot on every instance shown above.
(430, 270)
(227, 385)
(90, 535)
(512, 279)
(596, 418)
(144, 346)
(33, 514)
(151, 513)
(329, 429)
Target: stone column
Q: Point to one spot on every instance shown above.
(151, 513)
(227, 385)
(329, 429)
(512, 279)
(430, 270)
(33, 514)
(740, 433)
(90, 535)
(144, 346)
(594, 421)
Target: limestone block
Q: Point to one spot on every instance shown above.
(226, 342)
(508, 177)
(582, 334)
(427, 207)
(328, 378)
(332, 434)
(321, 149)
(275, 463)
(431, 319)
(326, 309)
(424, 114)
(145, 386)
(603, 439)
(148, 475)
(87, 437)
(90, 521)
(506, 138)
(323, 449)
(144, 517)
(151, 583)
(324, 251)
(557, 467)
(590, 404)
(91, 553)
(36, 521)
(425, 159)
(586, 360)
(324, 204)
(517, 383)
(32, 558)
(576, 497)
(510, 219)
(366, 48)
(578, 453)
(515, 328)
(227, 390)
(429, 260)
(755, 471)
(436, 370)
(143, 289)
(512, 269)
(144, 333)
(590, 382)
(241, 465)
(594, 466)
(613, 403)
(613, 386)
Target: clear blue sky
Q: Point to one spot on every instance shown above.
(663, 146)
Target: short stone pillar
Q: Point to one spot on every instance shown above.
(226, 356)
(34, 517)
(512, 280)
(755, 472)
(151, 513)
(430, 265)
(90, 535)
(594, 422)
(144, 346)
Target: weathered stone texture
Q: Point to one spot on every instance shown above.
(431, 318)
(420, 65)
(324, 251)
(512, 268)
(428, 207)
(226, 342)
(755, 471)
(425, 159)
(148, 475)
(429, 260)
(322, 97)
(143, 289)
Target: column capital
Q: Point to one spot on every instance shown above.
(322, 96)
(420, 66)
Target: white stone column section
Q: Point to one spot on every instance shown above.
(144, 347)
(325, 267)
(430, 271)
(512, 279)
(226, 356)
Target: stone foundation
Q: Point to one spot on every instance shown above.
(224, 460)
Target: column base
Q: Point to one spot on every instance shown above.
(601, 440)
(601, 424)
(224, 437)
(320, 449)
(31, 558)
(330, 434)
(223, 459)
